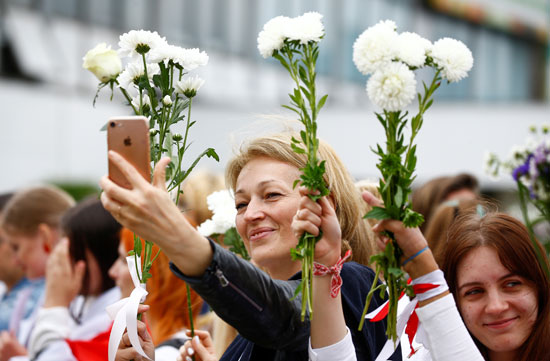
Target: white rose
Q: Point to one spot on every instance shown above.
(103, 62)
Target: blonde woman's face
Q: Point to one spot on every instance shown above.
(266, 203)
(498, 307)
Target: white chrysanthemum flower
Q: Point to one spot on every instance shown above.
(144, 99)
(207, 228)
(393, 87)
(134, 71)
(222, 205)
(189, 86)
(305, 28)
(375, 47)
(453, 57)
(411, 49)
(137, 42)
(192, 58)
(272, 36)
(165, 53)
(188, 59)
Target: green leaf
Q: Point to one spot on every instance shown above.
(399, 197)
(377, 213)
(412, 219)
(322, 102)
(297, 149)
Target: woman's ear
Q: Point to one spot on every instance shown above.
(49, 236)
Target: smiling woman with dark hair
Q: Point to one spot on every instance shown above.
(500, 287)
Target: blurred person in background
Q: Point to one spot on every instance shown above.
(12, 277)
(32, 225)
(72, 323)
(442, 219)
(431, 194)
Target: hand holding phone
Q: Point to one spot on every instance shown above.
(129, 137)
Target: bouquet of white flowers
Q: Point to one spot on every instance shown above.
(529, 165)
(156, 84)
(221, 226)
(390, 59)
(294, 43)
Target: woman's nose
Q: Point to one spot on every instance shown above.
(254, 211)
(496, 302)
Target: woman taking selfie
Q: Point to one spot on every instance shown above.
(259, 306)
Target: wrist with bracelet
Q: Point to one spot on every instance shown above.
(336, 281)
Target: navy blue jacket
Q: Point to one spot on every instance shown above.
(268, 320)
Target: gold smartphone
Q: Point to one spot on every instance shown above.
(129, 137)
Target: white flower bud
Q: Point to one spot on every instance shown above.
(167, 100)
(103, 62)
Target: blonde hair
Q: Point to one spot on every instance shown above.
(195, 190)
(29, 208)
(347, 199)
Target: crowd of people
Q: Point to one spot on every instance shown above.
(481, 292)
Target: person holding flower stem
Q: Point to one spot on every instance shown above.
(391, 59)
(258, 306)
(150, 74)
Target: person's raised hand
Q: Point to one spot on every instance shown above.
(312, 217)
(126, 352)
(63, 280)
(10, 347)
(200, 346)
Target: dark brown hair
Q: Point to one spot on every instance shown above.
(431, 194)
(510, 239)
(440, 222)
(90, 227)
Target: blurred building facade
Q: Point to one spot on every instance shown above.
(50, 129)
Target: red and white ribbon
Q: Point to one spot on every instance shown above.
(424, 287)
(124, 312)
(336, 280)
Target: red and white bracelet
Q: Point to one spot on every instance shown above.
(336, 281)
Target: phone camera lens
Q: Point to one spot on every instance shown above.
(113, 124)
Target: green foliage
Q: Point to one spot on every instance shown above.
(300, 60)
(397, 163)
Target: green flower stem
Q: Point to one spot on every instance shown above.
(127, 96)
(523, 196)
(187, 124)
(374, 288)
(304, 103)
(190, 310)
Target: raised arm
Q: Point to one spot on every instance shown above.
(148, 210)
(447, 336)
(330, 338)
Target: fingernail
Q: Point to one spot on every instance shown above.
(196, 338)
(187, 358)
(190, 351)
